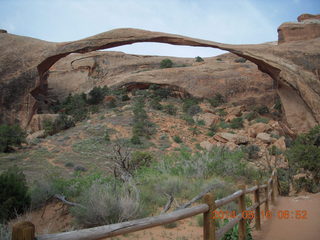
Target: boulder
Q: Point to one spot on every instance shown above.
(264, 137)
(257, 128)
(240, 139)
(38, 134)
(206, 145)
(280, 144)
(37, 121)
(208, 118)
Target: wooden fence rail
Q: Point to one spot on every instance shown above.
(26, 230)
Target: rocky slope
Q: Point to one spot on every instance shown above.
(25, 62)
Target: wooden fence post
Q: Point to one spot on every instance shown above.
(257, 211)
(209, 228)
(23, 231)
(242, 209)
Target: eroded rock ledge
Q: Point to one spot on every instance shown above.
(24, 63)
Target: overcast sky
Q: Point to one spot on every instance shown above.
(227, 21)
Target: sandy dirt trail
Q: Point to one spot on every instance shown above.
(296, 227)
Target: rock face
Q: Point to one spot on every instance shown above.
(240, 82)
(307, 28)
(24, 65)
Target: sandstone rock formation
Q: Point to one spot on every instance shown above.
(24, 65)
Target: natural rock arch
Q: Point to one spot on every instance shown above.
(289, 64)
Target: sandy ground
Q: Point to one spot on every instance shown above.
(297, 227)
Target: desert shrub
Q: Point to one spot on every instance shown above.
(162, 92)
(166, 63)
(80, 168)
(278, 105)
(188, 119)
(141, 124)
(170, 225)
(262, 109)
(125, 97)
(284, 181)
(177, 139)
(106, 135)
(273, 150)
(141, 159)
(236, 123)
(262, 120)
(199, 59)
(193, 110)
(107, 203)
(5, 232)
(250, 116)
(155, 104)
(14, 197)
(219, 59)
(135, 140)
(112, 103)
(195, 131)
(76, 106)
(69, 164)
(223, 124)
(217, 100)
(304, 154)
(252, 151)
(199, 219)
(240, 60)
(10, 136)
(61, 123)
(96, 95)
(170, 109)
(190, 106)
(221, 112)
(233, 234)
(212, 130)
(201, 122)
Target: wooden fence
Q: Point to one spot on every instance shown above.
(26, 230)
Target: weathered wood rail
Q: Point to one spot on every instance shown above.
(26, 230)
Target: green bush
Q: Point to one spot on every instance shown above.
(170, 225)
(125, 98)
(199, 59)
(96, 95)
(141, 124)
(217, 100)
(201, 123)
(141, 159)
(252, 151)
(284, 181)
(262, 120)
(166, 63)
(10, 136)
(135, 140)
(190, 106)
(250, 116)
(107, 203)
(304, 154)
(212, 130)
(236, 123)
(188, 119)
(14, 198)
(61, 123)
(155, 104)
(278, 105)
(170, 109)
(162, 92)
(262, 109)
(76, 106)
(177, 139)
(240, 60)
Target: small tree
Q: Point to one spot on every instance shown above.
(166, 63)
(96, 95)
(10, 136)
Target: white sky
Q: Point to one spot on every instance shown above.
(227, 21)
